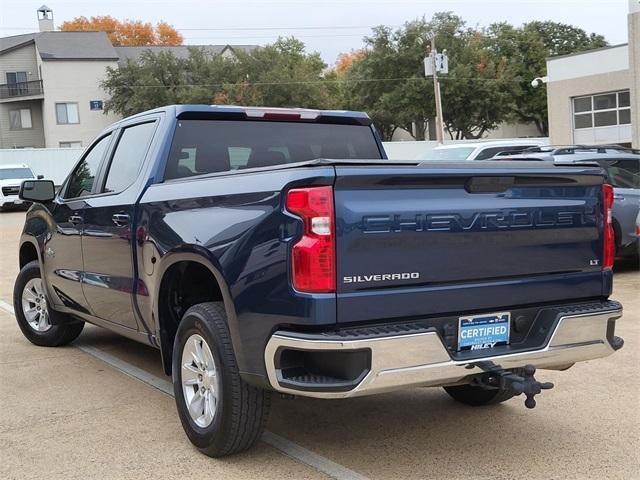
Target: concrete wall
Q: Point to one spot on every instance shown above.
(559, 95)
(54, 163)
(504, 131)
(25, 137)
(598, 71)
(634, 68)
(74, 82)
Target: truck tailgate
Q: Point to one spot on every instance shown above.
(432, 239)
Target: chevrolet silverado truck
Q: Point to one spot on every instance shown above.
(278, 250)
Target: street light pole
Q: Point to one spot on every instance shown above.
(436, 91)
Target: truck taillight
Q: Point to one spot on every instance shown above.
(609, 244)
(313, 255)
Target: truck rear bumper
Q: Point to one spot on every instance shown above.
(383, 363)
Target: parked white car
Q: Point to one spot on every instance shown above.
(11, 177)
(479, 150)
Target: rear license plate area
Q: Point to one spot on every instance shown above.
(485, 331)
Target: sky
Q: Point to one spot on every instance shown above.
(329, 27)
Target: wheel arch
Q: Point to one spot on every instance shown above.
(28, 251)
(181, 270)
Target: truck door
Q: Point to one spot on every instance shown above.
(108, 237)
(62, 257)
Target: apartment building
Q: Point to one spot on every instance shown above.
(50, 94)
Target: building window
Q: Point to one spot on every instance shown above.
(17, 83)
(20, 119)
(70, 144)
(602, 110)
(16, 77)
(67, 113)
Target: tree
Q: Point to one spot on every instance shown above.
(524, 50)
(389, 81)
(278, 75)
(284, 75)
(345, 60)
(161, 78)
(126, 32)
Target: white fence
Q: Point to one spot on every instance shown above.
(408, 150)
(54, 163)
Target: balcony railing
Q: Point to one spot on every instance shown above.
(21, 89)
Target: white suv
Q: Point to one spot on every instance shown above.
(11, 177)
(482, 150)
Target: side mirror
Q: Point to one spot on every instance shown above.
(40, 177)
(37, 191)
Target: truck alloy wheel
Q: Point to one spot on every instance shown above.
(200, 383)
(38, 321)
(220, 413)
(34, 305)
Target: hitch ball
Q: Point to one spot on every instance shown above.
(527, 385)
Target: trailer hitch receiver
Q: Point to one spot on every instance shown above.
(518, 384)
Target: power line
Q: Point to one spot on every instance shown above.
(225, 29)
(274, 36)
(312, 82)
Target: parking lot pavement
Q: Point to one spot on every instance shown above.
(85, 419)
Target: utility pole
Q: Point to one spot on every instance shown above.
(436, 91)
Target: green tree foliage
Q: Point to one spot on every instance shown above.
(284, 75)
(524, 50)
(388, 81)
(278, 75)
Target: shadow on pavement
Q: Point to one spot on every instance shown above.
(626, 265)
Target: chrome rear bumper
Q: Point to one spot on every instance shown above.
(421, 359)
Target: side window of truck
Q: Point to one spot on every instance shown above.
(81, 180)
(128, 157)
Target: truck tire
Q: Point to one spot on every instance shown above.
(476, 396)
(220, 413)
(34, 314)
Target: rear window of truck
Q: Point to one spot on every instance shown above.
(209, 146)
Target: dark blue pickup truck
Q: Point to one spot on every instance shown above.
(279, 250)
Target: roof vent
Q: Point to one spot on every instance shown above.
(45, 19)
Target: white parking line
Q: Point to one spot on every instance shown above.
(161, 384)
(289, 448)
(312, 459)
(7, 307)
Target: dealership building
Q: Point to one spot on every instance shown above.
(594, 97)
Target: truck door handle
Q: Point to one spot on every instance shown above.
(618, 196)
(120, 219)
(75, 219)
